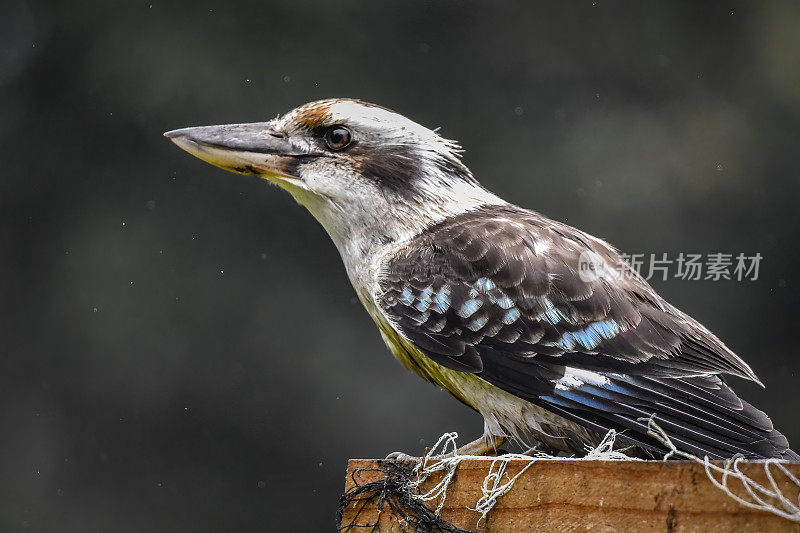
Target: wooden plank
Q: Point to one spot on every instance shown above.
(554, 495)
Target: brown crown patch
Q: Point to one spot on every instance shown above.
(313, 115)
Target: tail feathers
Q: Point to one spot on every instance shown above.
(790, 455)
(701, 415)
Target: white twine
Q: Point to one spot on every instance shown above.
(758, 493)
(444, 457)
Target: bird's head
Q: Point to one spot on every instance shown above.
(365, 172)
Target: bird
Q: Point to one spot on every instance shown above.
(543, 329)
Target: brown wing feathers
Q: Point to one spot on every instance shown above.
(497, 292)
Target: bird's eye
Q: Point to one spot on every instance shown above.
(338, 137)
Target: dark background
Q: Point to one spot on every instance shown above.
(181, 349)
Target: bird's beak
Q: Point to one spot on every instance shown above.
(253, 149)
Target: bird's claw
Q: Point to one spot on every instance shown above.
(402, 457)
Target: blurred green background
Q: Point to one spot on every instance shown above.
(156, 370)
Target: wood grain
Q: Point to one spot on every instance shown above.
(553, 495)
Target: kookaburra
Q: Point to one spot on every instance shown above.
(491, 301)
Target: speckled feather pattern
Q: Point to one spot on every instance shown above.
(477, 279)
(496, 292)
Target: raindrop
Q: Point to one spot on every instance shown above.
(287, 79)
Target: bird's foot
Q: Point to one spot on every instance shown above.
(540, 448)
(402, 457)
(485, 445)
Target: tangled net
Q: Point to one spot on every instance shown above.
(396, 492)
(399, 489)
